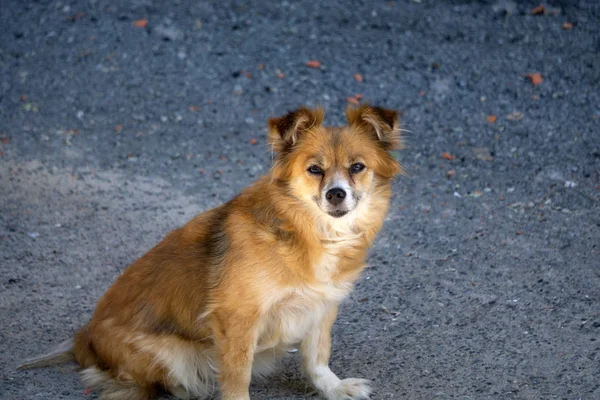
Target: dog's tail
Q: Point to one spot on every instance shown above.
(60, 354)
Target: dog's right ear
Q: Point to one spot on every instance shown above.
(285, 131)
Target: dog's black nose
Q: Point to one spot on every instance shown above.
(335, 196)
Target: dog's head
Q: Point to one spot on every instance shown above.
(333, 169)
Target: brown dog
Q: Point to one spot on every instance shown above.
(223, 297)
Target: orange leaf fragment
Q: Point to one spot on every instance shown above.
(353, 100)
(194, 108)
(535, 78)
(538, 10)
(261, 66)
(24, 97)
(4, 140)
(491, 118)
(253, 141)
(422, 93)
(358, 78)
(87, 391)
(359, 96)
(140, 23)
(247, 74)
(567, 26)
(118, 128)
(313, 64)
(448, 156)
(280, 75)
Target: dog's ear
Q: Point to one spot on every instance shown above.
(380, 121)
(285, 131)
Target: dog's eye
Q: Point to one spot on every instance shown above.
(315, 170)
(356, 167)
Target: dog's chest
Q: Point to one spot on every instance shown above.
(297, 313)
(299, 309)
(338, 250)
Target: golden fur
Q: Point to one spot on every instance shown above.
(223, 297)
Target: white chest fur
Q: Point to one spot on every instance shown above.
(297, 312)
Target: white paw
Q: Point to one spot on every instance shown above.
(350, 389)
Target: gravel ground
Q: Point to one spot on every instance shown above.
(484, 284)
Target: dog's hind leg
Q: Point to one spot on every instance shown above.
(110, 388)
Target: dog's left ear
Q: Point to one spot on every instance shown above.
(380, 121)
(284, 132)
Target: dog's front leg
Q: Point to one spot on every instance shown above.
(316, 348)
(236, 343)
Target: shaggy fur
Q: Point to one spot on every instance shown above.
(225, 296)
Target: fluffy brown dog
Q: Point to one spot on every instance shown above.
(223, 297)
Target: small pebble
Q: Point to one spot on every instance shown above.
(168, 32)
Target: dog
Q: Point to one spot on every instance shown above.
(222, 298)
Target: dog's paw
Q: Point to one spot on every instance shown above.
(350, 389)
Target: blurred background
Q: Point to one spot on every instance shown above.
(120, 120)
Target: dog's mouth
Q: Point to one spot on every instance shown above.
(337, 213)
